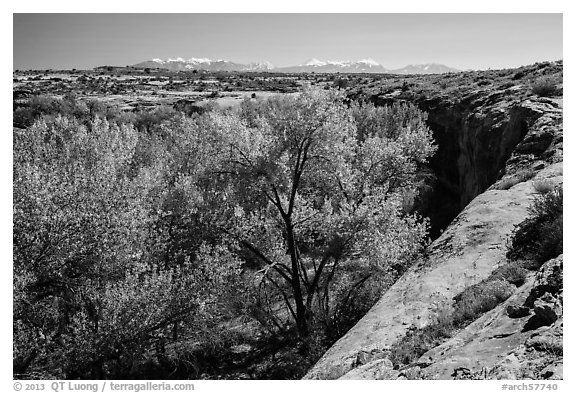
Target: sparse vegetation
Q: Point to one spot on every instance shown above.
(512, 272)
(535, 240)
(467, 307)
(544, 87)
(480, 298)
(519, 177)
(539, 237)
(543, 186)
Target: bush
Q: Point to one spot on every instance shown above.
(543, 186)
(539, 237)
(468, 306)
(480, 298)
(551, 240)
(544, 87)
(512, 272)
(90, 297)
(419, 341)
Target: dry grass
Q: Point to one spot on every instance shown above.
(513, 272)
(480, 298)
(469, 305)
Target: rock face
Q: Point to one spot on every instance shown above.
(377, 369)
(481, 137)
(494, 138)
(496, 346)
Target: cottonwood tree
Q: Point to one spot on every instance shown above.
(91, 295)
(126, 240)
(316, 204)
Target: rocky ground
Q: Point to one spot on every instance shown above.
(520, 339)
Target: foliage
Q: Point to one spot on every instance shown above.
(512, 272)
(159, 240)
(543, 186)
(544, 87)
(477, 299)
(150, 120)
(41, 105)
(312, 197)
(89, 295)
(539, 237)
(419, 341)
(470, 304)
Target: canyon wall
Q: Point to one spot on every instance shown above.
(493, 146)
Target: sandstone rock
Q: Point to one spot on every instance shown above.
(462, 256)
(510, 368)
(547, 311)
(484, 131)
(553, 371)
(549, 279)
(548, 339)
(364, 357)
(483, 344)
(461, 373)
(515, 311)
(411, 373)
(377, 369)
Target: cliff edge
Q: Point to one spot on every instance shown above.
(525, 134)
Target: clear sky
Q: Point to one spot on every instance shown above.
(464, 41)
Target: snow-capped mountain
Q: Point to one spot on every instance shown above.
(315, 65)
(180, 64)
(431, 68)
(312, 65)
(261, 66)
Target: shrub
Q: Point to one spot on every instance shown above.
(551, 240)
(468, 306)
(512, 272)
(519, 75)
(418, 342)
(480, 298)
(549, 206)
(90, 297)
(543, 186)
(539, 237)
(544, 87)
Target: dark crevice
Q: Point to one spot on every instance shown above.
(473, 148)
(472, 154)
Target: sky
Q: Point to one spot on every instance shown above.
(463, 41)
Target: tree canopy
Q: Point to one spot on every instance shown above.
(294, 212)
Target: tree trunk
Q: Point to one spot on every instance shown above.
(301, 310)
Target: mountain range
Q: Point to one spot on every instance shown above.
(312, 65)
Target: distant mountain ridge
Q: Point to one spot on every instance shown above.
(432, 68)
(312, 65)
(179, 64)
